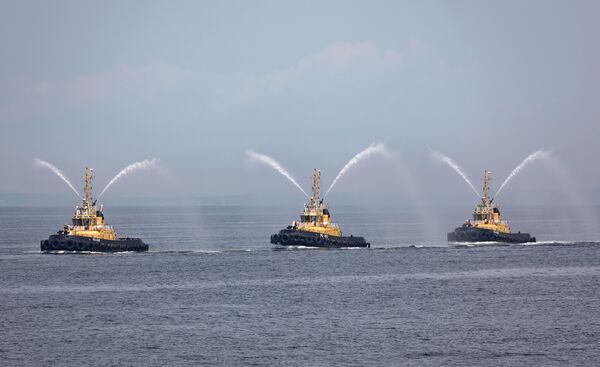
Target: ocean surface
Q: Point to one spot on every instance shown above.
(213, 291)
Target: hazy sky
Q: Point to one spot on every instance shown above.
(199, 83)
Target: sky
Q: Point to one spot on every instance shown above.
(197, 84)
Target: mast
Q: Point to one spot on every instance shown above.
(88, 187)
(316, 178)
(486, 187)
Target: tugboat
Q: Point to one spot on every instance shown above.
(486, 225)
(315, 228)
(88, 233)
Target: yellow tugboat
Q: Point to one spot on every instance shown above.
(88, 232)
(315, 228)
(487, 226)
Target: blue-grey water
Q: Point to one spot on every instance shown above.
(212, 291)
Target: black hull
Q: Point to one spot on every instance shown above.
(61, 242)
(472, 234)
(292, 237)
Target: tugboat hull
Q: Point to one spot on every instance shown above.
(59, 242)
(292, 237)
(473, 234)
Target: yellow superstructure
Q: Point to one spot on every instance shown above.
(315, 217)
(486, 214)
(88, 221)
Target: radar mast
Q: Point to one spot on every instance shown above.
(316, 179)
(89, 172)
(486, 187)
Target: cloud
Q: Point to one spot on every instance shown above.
(124, 82)
(204, 91)
(145, 82)
(339, 60)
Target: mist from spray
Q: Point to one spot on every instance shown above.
(41, 163)
(584, 212)
(442, 158)
(364, 154)
(262, 158)
(145, 164)
(535, 156)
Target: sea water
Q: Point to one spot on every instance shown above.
(213, 291)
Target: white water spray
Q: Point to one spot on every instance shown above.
(41, 163)
(540, 154)
(273, 164)
(146, 163)
(371, 149)
(442, 158)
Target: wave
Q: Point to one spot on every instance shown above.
(374, 247)
(373, 279)
(538, 243)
